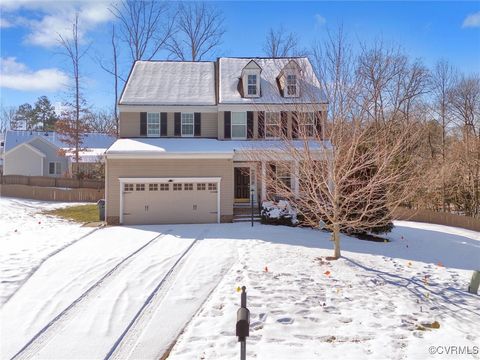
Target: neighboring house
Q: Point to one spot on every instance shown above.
(45, 154)
(186, 130)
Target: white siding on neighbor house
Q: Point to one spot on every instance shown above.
(23, 160)
(51, 153)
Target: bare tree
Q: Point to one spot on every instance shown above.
(70, 126)
(8, 119)
(280, 43)
(145, 26)
(199, 31)
(102, 121)
(442, 83)
(113, 70)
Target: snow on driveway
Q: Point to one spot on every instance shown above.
(109, 287)
(28, 237)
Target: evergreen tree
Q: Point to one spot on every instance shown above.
(25, 115)
(44, 114)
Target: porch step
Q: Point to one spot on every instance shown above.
(245, 210)
(246, 218)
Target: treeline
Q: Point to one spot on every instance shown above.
(43, 116)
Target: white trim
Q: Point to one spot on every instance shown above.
(142, 155)
(166, 108)
(163, 179)
(28, 146)
(264, 184)
(159, 125)
(41, 166)
(232, 124)
(285, 106)
(216, 180)
(193, 124)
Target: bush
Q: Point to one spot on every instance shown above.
(278, 213)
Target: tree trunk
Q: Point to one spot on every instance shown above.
(336, 241)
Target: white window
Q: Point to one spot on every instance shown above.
(54, 168)
(128, 187)
(152, 187)
(201, 186)
(283, 173)
(272, 125)
(177, 187)
(164, 187)
(307, 124)
(153, 124)
(239, 125)
(292, 85)
(140, 187)
(187, 124)
(212, 186)
(252, 84)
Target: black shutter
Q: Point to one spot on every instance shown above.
(294, 125)
(318, 124)
(197, 121)
(178, 124)
(227, 124)
(261, 124)
(284, 122)
(249, 124)
(163, 124)
(143, 124)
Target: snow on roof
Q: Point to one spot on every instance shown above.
(149, 146)
(230, 70)
(88, 156)
(170, 83)
(91, 140)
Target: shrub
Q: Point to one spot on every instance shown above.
(278, 213)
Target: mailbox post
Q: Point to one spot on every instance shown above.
(243, 324)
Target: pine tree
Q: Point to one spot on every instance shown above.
(44, 113)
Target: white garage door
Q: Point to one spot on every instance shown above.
(177, 202)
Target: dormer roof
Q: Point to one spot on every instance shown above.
(230, 69)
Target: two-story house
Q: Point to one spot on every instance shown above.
(187, 131)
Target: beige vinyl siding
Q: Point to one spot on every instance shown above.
(209, 125)
(23, 161)
(118, 168)
(129, 124)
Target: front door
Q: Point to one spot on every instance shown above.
(242, 184)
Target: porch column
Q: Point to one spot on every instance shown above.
(264, 186)
(296, 182)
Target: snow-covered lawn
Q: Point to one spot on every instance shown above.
(129, 292)
(28, 237)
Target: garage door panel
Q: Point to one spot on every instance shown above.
(170, 207)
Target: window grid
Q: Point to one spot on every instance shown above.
(152, 187)
(212, 186)
(127, 187)
(292, 85)
(252, 84)
(153, 124)
(139, 187)
(187, 124)
(201, 186)
(188, 187)
(308, 124)
(284, 175)
(164, 187)
(239, 125)
(272, 125)
(177, 187)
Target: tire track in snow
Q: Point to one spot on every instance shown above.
(126, 343)
(48, 331)
(34, 269)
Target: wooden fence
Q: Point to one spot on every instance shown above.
(51, 193)
(441, 218)
(46, 181)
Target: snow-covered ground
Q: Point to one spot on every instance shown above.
(28, 237)
(134, 292)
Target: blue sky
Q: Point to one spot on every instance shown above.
(31, 65)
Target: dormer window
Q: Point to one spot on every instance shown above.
(292, 85)
(252, 84)
(250, 80)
